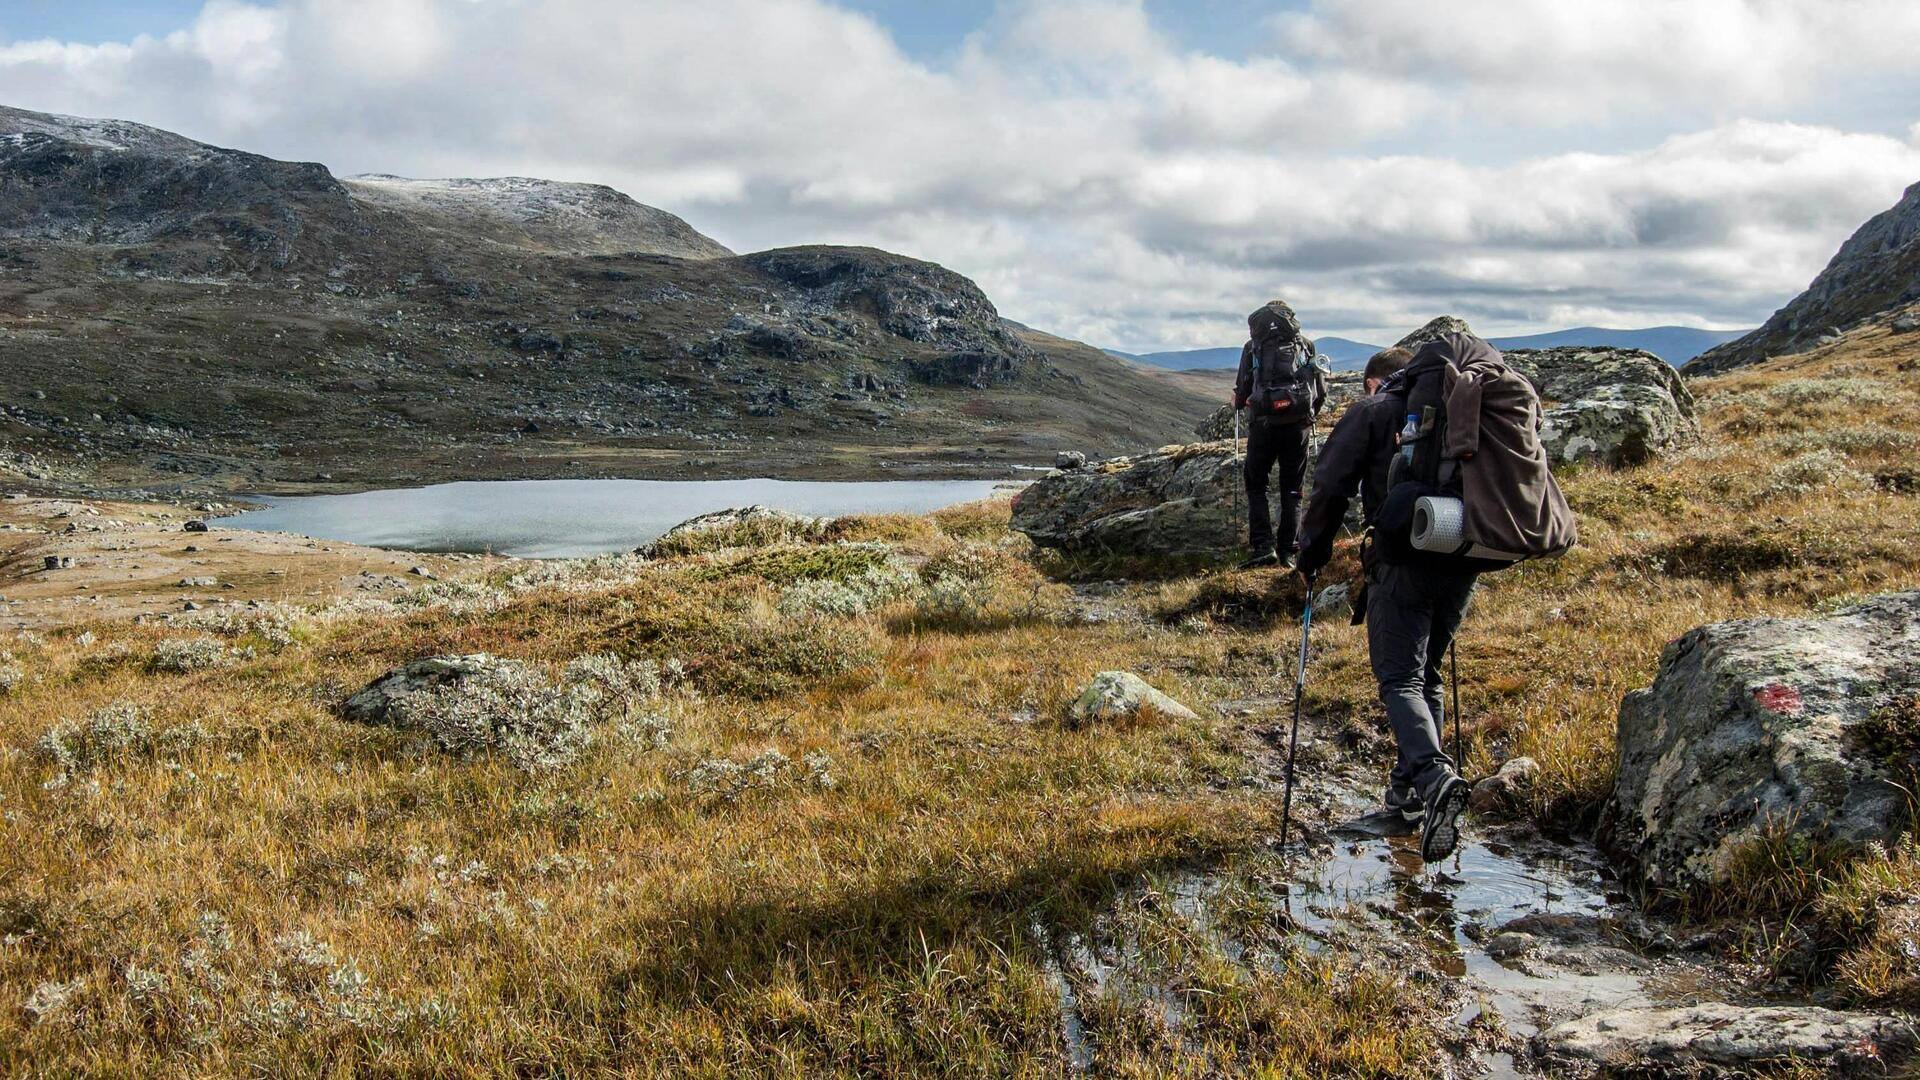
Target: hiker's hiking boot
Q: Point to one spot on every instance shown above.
(1441, 834)
(1265, 559)
(1404, 800)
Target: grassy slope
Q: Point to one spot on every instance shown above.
(278, 885)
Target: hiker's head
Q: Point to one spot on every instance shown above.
(1273, 319)
(1383, 365)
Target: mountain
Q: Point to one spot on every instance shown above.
(175, 315)
(1875, 271)
(1674, 344)
(1343, 354)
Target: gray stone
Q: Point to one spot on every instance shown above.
(1333, 601)
(1724, 1036)
(1218, 425)
(772, 519)
(1433, 331)
(1503, 792)
(1767, 724)
(1906, 323)
(1510, 945)
(1069, 459)
(196, 583)
(1610, 406)
(376, 703)
(194, 526)
(1122, 695)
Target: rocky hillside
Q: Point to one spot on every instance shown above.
(1877, 271)
(177, 316)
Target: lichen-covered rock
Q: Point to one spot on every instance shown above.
(1612, 406)
(1069, 459)
(1122, 695)
(1433, 331)
(1218, 425)
(1717, 1036)
(1334, 601)
(380, 701)
(1178, 501)
(738, 524)
(1803, 725)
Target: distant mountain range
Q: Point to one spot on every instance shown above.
(1674, 344)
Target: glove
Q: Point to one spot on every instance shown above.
(1313, 558)
(1239, 401)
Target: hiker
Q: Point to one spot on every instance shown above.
(1283, 385)
(1450, 421)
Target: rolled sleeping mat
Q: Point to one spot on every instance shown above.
(1439, 524)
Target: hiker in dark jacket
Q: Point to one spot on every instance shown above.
(1283, 385)
(1411, 609)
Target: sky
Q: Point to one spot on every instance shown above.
(1134, 173)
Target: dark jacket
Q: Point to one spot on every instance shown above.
(1243, 383)
(1353, 460)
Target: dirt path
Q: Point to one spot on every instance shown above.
(127, 560)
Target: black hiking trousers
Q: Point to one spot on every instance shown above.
(1413, 611)
(1270, 444)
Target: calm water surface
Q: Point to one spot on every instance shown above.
(565, 518)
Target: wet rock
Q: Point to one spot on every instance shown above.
(1122, 695)
(1797, 724)
(1504, 791)
(1069, 459)
(1723, 1036)
(1510, 945)
(376, 704)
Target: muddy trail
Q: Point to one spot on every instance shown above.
(1524, 954)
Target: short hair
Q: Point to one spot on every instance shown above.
(1387, 362)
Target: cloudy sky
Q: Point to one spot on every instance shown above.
(1135, 173)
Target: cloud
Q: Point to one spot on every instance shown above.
(1097, 178)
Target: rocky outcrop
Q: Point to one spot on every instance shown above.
(1875, 271)
(1801, 725)
(1609, 406)
(1177, 502)
(1121, 695)
(918, 301)
(1693, 1040)
(1433, 331)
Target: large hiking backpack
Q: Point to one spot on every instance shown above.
(1471, 484)
(1286, 380)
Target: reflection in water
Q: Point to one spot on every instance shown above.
(567, 518)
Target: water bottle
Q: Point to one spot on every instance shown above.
(1407, 436)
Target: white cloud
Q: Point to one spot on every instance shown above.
(1094, 176)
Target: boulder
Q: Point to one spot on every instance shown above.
(1433, 331)
(377, 703)
(1069, 459)
(1122, 695)
(763, 521)
(1712, 1036)
(1611, 406)
(1906, 323)
(1333, 602)
(1178, 501)
(1218, 425)
(1805, 725)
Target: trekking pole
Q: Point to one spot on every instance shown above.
(1453, 664)
(1299, 690)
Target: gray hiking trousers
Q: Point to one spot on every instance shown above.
(1412, 614)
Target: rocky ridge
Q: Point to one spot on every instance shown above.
(1875, 272)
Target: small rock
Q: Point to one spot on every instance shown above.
(189, 606)
(1122, 695)
(194, 526)
(1510, 945)
(195, 583)
(1334, 600)
(376, 703)
(421, 571)
(1503, 792)
(1906, 323)
(58, 562)
(1069, 459)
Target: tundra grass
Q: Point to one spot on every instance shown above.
(853, 839)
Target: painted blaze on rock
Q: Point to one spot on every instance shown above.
(1798, 724)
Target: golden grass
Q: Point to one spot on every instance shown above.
(256, 885)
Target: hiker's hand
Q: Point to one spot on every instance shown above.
(1313, 559)
(1239, 401)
